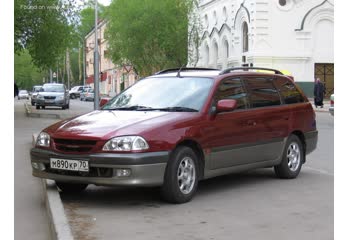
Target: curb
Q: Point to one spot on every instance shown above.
(59, 225)
(29, 113)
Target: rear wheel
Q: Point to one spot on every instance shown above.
(181, 176)
(37, 107)
(293, 158)
(71, 187)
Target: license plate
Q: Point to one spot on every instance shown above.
(71, 165)
(49, 101)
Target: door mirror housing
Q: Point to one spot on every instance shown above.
(226, 105)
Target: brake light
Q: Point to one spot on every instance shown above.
(332, 102)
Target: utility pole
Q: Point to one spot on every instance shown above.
(96, 73)
(50, 75)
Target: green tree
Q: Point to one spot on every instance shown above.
(26, 74)
(149, 34)
(44, 28)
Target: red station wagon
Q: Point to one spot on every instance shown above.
(180, 126)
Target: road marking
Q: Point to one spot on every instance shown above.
(319, 171)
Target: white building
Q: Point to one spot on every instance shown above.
(292, 35)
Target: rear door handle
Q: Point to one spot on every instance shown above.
(251, 123)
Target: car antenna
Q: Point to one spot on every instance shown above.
(178, 72)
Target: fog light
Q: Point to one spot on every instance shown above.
(123, 172)
(38, 166)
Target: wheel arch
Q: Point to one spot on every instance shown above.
(196, 147)
(301, 136)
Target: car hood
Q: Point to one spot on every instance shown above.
(51, 93)
(104, 124)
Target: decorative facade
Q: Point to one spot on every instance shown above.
(296, 36)
(113, 78)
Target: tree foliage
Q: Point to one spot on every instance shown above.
(44, 28)
(26, 74)
(149, 34)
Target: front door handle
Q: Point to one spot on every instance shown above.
(251, 123)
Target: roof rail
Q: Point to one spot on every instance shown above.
(228, 70)
(185, 69)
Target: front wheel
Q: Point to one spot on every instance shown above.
(293, 158)
(181, 176)
(71, 187)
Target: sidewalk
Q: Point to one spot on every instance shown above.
(326, 105)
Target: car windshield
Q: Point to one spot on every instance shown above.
(163, 94)
(23, 92)
(37, 89)
(53, 88)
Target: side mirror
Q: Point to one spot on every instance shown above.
(226, 105)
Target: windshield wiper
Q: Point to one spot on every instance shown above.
(171, 109)
(135, 107)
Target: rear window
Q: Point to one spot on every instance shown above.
(290, 94)
(262, 92)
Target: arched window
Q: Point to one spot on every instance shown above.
(206, 56)
(245, 46)
(215, 55)
(226, 49)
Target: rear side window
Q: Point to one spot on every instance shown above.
(262, 92)
(232, 89)
(288, 91)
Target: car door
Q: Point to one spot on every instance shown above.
(231, 135)
(271, 118)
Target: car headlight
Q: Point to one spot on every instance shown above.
(40, 97)
(60, 97)
(43, 140)
(126, 143)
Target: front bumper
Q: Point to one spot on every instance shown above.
(41, 102)
(147, 169)
(311, 139)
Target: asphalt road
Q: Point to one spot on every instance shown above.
(249, 205)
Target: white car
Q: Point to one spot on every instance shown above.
(23, 94)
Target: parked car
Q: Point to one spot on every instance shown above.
(331, 108)
(53, 94)
(34, 94)
(87, 95)
(77, 90)
(178, 127)
(23, 94)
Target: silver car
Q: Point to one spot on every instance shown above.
(35, 93)
(53, 94)
(23, 94)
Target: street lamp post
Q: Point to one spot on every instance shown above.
(96, 73)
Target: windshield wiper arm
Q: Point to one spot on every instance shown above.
(134, 107)
(172, 109)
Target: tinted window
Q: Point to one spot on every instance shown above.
(232, 89)
(262, 92)
(288, 91)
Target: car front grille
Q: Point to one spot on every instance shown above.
(49, 97)
(74, 146)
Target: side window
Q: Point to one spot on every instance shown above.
(262, 92)
(288, 91)
(232, 89)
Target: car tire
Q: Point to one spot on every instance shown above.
(67, 106)
(71, 187)
(72, 96)
(292, 160)
(63, 107)
(32, 103)
(43, 107)
(181, 176)
(37, 107)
